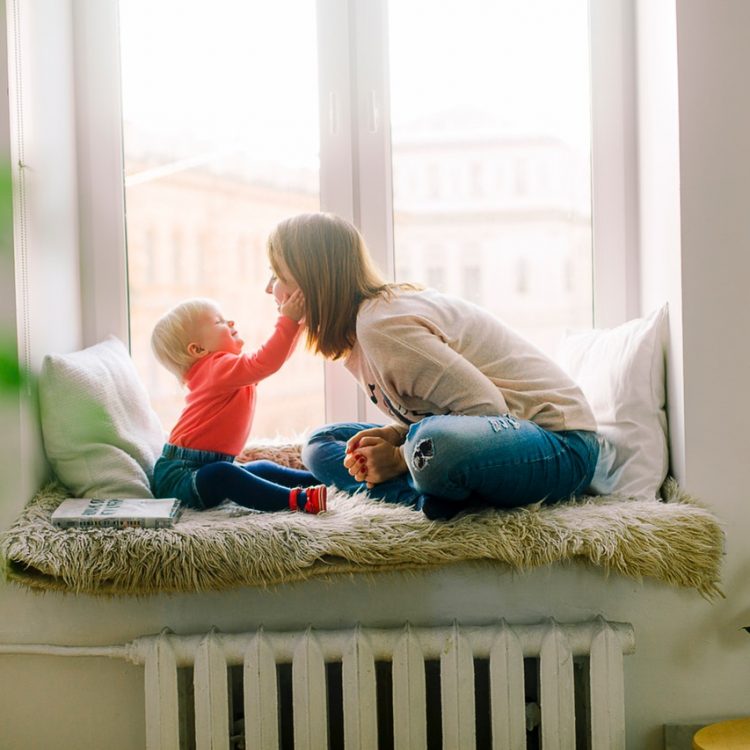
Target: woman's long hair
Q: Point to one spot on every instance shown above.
(329, 260)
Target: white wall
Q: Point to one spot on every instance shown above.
(98, 133)
(694, 154)
(659, 195)
(691, 660)
(714, 58)
(43, 309)
(44, 162)
(38, 695)
(10, 454)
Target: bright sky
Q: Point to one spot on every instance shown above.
(245, 71)
(523, 61)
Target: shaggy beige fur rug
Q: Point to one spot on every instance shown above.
(676, 542)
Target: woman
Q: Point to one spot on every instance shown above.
(480, 417)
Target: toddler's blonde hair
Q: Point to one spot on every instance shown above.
(175, 330)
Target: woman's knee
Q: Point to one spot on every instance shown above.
(327, 440)
(433, 451)
(324, 450)
(430, 435)
(316, 445)
(321, 434)
(332, 433)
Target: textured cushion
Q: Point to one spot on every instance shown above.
(621, 371)
(101, 435)
(676, 542)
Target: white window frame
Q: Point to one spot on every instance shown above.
(614, 159)
(101, 216)
(355, 178)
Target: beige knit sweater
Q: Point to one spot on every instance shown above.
(422, 353)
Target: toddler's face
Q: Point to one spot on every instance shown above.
(281, 285)
(214, 333)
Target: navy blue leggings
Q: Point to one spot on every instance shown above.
(261, 485)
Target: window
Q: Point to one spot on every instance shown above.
(435, 277)
(217, 149)
(471, 283)
(366, 170)
(502, 85)
(522, 276)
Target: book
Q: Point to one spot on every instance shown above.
(117, 512)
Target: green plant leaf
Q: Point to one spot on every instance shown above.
(12, 375)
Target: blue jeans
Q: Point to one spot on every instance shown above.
(457, 462)
(203, 479)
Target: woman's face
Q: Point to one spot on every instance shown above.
(281, 285)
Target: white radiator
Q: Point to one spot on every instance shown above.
(502, 648)
(406, 649)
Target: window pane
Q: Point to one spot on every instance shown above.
(221, 141)
(491, 168)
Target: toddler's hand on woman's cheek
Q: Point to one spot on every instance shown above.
(294, 306)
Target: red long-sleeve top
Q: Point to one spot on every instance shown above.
(221, 403)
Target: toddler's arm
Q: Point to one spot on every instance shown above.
(269, 358)
(247, 369)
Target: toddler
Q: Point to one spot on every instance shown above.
(204, 350)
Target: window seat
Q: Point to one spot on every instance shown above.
(102, 438)
(675, 541)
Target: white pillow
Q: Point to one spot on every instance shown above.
(101, 435)
(622, 374)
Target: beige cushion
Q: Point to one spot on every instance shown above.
(622, 374)
(101, 435)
